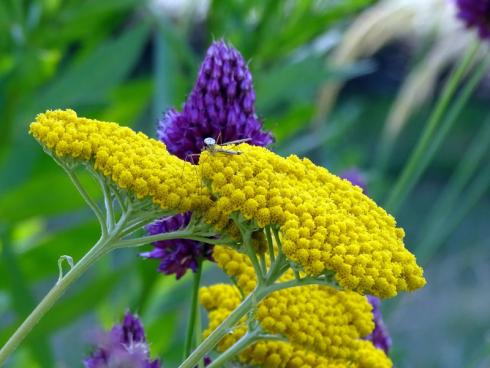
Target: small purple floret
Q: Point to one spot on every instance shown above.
(475, 14)
(379, 337)
(178, 255)
(356, 177)
(221, 106)
(123, 347)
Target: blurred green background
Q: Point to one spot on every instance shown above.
(129, 60)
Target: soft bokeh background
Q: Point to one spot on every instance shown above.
(129, 60)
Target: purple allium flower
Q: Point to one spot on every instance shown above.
(124, 346)
(475, 14)
(356, 177)
(221, 105)
(177, 255)
(379, 337)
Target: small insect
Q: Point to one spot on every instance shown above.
(211, 146)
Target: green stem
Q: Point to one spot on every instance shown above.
(97, 251)
(198, 333)
(249, 338)
(270, 244)
(146, 218)
(448, 201)
(182, 234)
(297, 282)
(250, 251)
(106, 243)
(194, 309)
(275, 270)
(227, 325)
(255, 263)
(411, 172)
(472, 195)
(93, 206)
(263, 263)
(110, 215)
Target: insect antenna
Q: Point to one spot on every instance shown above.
(237, 141)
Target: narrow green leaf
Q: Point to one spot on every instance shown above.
(22, 299)
(47, 195)
(73, 306)
(83, 82)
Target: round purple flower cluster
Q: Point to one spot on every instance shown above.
(221, 105)
(124, 346)
(178, 255)
(475, 14)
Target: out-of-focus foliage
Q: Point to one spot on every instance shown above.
(129, 60)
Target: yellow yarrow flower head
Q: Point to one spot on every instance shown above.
(321, 325)
(325, 222)
(132, 160)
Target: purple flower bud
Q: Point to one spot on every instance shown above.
(379, 337)
(356, 177)
(124, 346)
(475, 14)
(178, 255)
(221, 105)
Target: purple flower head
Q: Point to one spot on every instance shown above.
(356, 177)
(221, 105)
(379, 337)
(124, 346)
(177, 255)
(475, 14)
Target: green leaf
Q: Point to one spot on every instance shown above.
(84, 82)
(90, 80)
(40, 261)
(22, 299)
(73, 306)
(47, 194)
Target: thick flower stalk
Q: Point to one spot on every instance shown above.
(325, 223)
(124, 345)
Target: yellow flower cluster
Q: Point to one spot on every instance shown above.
(236, 265)
(307, 315)
(323, 327)
(326, 223)
(132, 160)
